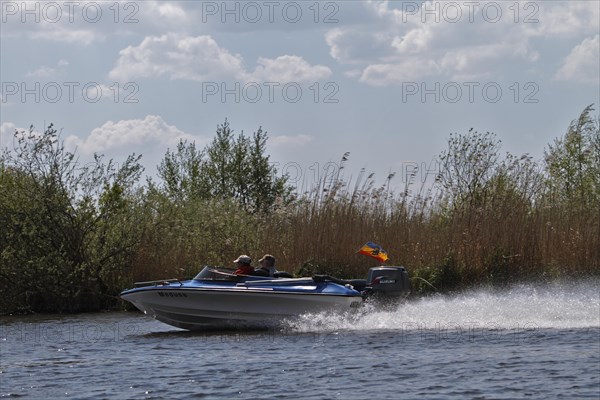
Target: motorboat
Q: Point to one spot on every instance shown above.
(218, 298)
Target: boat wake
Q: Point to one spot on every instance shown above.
(555, 306)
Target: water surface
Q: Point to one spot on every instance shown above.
(526, 342)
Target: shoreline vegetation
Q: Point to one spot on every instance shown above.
(72, 236)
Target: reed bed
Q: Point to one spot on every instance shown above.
(72, 239)
(506, 238)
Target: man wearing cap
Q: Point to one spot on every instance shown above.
(267, 266)
(244, 266)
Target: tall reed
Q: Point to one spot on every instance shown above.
(71, 240)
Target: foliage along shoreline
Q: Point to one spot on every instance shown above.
(73, 237)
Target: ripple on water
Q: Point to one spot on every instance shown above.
(528, 342)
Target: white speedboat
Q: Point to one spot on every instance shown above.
(217, 298)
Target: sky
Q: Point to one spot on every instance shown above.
(387, 81)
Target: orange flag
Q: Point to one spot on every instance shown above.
(374, 250)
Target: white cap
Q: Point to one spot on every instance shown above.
(243, 259)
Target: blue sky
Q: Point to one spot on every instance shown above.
(387, 81)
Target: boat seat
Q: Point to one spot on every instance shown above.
(358, 284)
(282, 274)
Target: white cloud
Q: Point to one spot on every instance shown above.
(583, 63)
(200, 58)
(288, 69)
(402, 42)
(7, 135)
(53, 21)
(41, 72)
(45, 71)
(562, 19)
(177, 57)
(170, 11)
(460, 63)
(409, 71)
(354, 46)
(7, 131)
(62, 34)
(86, 22)
(414, 41)
(290, 140)
(134, 135)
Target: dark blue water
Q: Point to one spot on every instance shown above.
(529, 342)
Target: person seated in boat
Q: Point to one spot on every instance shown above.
(267, 266)
(244, 265)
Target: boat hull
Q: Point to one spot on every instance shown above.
(196, 308)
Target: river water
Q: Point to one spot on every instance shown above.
(525, 342)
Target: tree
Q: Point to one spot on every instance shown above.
(573, 164)
(264, 187)
(467, 167)
(181, 173)
(230, 167)
(66, 227)
(219, 167)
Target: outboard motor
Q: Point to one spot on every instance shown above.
(388, 283)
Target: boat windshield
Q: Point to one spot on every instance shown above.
(213, 274)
